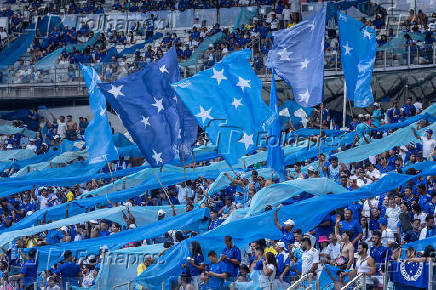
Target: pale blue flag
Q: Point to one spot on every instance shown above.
(358, 51)
(98, 134)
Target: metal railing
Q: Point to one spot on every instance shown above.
(307, 281)
(358, 282)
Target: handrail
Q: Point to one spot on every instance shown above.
(300, 281)
(353, 281)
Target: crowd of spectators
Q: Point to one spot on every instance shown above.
(373, 229)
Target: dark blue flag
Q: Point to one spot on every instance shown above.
(358, 50)
(226, 100)
(410, 274)
(275, 151)
(298, 58)
(149, 109)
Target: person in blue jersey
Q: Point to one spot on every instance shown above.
(231, 256)
(215, 274)
(379, 252)
(215, 221)
(287, 229)
(28, 274)
(195, 264)
(68, 271)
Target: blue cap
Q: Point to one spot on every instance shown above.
(430, 131)
(383, 221)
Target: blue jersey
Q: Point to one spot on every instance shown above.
(232, 253)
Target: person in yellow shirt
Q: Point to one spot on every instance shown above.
(148, 260)
(70, 196)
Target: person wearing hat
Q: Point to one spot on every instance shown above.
(428, 143)
(376, 115)
(28, 274)
(161, 214)
(287, 230)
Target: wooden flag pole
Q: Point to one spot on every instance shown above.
(165, 191)
(110, 170)
(183, 160)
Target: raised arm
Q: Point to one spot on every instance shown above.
(414, 133)
(235, 181)
(276, 220)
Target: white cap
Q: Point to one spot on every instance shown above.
(132, 226)
(93, 222)
(403, 148)
(57, 137)
(161, 212)
(280, 244)
(211, 45)
(64, 228)
(360, 116)
(29, 213)
(289, 222)
(310, 168)
(376, 104)
(128, 204)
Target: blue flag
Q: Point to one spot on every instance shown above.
(299, 115)
(358, 50)
(98, 134)
(297, 57)
(147, 106)
(410, 274)
(226, 100)
(275, 151)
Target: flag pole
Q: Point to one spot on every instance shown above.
(319, 138)
(164, 190)
(344, 109)
(110, 170)
(184, 165)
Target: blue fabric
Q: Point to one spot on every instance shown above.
(144, 100)
(228, 104)
(275, 152)
(98, 133)
(298, 58)
(10, 54)
(262, 225)
(298, 114)
(410, 274)
(203, 46)
(134, 48)
(358, 50)
(51, 254)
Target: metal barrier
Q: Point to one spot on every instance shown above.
(359, 282)
(130, 285)
(305, 282)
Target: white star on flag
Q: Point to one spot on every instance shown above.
(157, 157)
(247, 140)
(305, 97)
(348, 49)
(179, 134)
(218, 75)
(204, 114)
(243, 83)
(304, 63)
(284, 113)
(366, 33)
(158, 104)
(163, 69)
(342, 17)
(312, 26)
(237, 102)
(116, 91)
(284, 54)
(145, 121)
(175, 98)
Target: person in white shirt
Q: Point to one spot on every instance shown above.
(429, 230)
(183, 192)
(373, 172)
(3, 34)
(310, 257)
(387, 238)
(333, 248)
(286, 15)
(428, 143)
(87, 277)
(393, 215)
(269, 271)
(31, 145)
(418, 105)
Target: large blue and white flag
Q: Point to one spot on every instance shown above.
(275, 151)
(98, 134)
(226, 100)
(297, 57)
(358, 51)
(152, 117)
